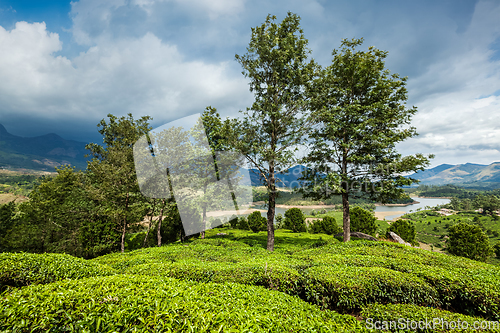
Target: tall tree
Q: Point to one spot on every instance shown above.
(278, 67)
(112, 174)
(360, 116)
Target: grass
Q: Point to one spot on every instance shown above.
(432, 228)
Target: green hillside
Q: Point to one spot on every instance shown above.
(310, 283)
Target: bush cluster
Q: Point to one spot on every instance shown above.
(363, 221)
(148, 304)
(294, 220)
(327, 225)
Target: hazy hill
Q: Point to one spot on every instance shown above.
(459, 174)
(288, 179)
(40, 153)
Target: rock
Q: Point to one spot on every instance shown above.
(395, 237)
(358, 235)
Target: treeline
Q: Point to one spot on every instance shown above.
(488, 204)
(18, 184)
(450, 191)
(89, 213)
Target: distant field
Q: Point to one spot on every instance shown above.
(8, 197)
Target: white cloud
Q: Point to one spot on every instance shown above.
(138, 75)
(457, 109)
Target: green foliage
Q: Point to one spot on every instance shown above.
(327, 225)
(363, 221)
(347, 288)
(468, 241)
(279, 221)
(496, 249)
(440, 320)
(276, 64)
(233, 221)
(257, 222)
(404, 229)
(294, 220)
(243, 223)
(7, 212)
(138, 303)
(111, 176)
(24, 269)
(351, 97)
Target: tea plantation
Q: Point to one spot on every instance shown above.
(310, 283)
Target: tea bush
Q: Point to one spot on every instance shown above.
(23, 269)
(129, 303)
(407, 317)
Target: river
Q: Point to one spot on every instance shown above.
(423, 202)
(399, 210)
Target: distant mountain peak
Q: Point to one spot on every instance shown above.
(3, 131)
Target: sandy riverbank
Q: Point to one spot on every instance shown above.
(382, 215)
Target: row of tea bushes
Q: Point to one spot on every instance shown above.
(23, 269)
(411, 318)
(342, 277)
(464, 285)
(134, 303)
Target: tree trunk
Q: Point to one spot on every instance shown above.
(158, 234)
(204, 222)
(124, 225)
(271, 209)
(346, 219)
(150, 223)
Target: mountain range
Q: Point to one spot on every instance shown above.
(39, 153)
(467, 173)
(48, 151)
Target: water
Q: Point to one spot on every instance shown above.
(423, 202)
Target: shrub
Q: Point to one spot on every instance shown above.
(279, 221)
(295, 220)
(257, 222)
(468, 241)
(496, 248)
(327, 225)
(405, 229)
(148, 304)
(23, 269)
(243, 223)
(234, 222)
(347, 288)
(363, 221)
(394, 312)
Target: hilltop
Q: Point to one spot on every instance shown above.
(464, 174)
(39, 153)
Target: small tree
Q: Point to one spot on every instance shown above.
(295, 220)
(257, 222)
(468, 241)
(279, 221)
(360, 115)
(278, 67)
(405, 229)
(363, 221)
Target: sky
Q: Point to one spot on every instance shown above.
(65, 65)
